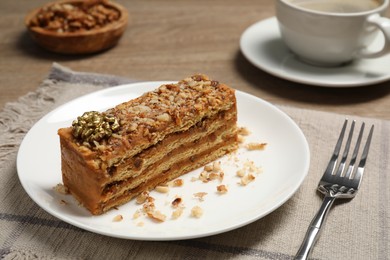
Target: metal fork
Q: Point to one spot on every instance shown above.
(340, 180)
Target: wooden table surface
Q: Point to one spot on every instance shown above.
(169, 40)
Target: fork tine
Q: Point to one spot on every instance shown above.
(360, 170)
(341, 166)
(334, 158)
(352, 162)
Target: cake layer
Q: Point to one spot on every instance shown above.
(177, 169)
(186, 150)
(134, 166)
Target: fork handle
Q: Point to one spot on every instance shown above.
(314, 229)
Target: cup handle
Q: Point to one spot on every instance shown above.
(382, 24)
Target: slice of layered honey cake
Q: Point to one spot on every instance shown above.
(109, 158)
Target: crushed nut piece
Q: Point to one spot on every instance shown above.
(203, 176)
(176, 202)
(211, 172)
(247, 179)
(150, 199)
(208, 168)
(117, 218)
(177, 213)
(62, 189)
(256, 146)
(240, 173)
(140, 199)
(243, 131)
(178, 183)
(162, 189)
(137, 214)
(63, 202)
(149, 207)
(157, 216)
(200, 195)
(222, 189)
(213, 176)
(216, 166)
(196, 212)
(251, 167)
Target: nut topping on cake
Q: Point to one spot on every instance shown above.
(94, 126)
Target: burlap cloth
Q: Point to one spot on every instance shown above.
(358, 229)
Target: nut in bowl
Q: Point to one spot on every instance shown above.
(77, 26)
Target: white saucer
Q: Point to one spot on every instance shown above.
(262, 45)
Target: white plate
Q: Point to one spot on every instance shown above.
(262, 45)
(285, 163)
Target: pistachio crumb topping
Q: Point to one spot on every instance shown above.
(94, 126)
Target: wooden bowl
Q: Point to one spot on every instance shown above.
(81, 41)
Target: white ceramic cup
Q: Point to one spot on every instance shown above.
(326, 38)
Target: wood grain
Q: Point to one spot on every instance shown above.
(169, 40)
